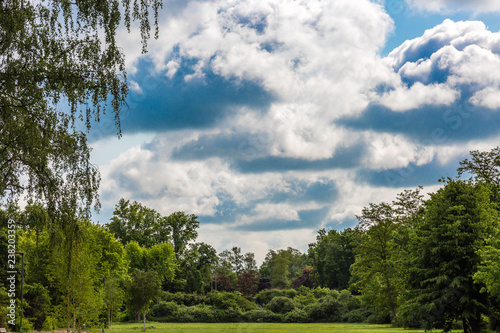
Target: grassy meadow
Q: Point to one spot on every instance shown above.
(256, 328)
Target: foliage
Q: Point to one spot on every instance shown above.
(164, 309)
(262, 316)
(53, 51)
(182, 227)
(282, 266)
(280, 304)
(135, 222)
(305, 279)
(143, 289)
(328, 309)
(376, 263)
(224, 283)
(331, 257)
(444, 255)
(225, 300)
(488, 272)
(248, 282)
(37, 304)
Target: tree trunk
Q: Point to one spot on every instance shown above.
(389, 297)
(109, 317)
(68, 314)
(144, 316)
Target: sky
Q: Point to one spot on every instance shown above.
(272, 119)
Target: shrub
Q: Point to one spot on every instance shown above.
(328, 309)
(290, 293)
(164, 309)
(225, 300)
(357, 316)
(230, 315)
(202, 314)
(322, 292)
(281, 304)
(348, 301)
(265, 296)
(245, 305)
(305, 300)
(296, 316)
(183, 315)
(261, 316)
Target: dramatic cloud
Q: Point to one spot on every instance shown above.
(271, 119)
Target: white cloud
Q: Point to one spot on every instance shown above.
(318, 58)
(134, 86)
(418, 95)
(387, 151)
(488, 98)
(450, 6)
(449, 59)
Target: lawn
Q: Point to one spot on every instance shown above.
(255, 327)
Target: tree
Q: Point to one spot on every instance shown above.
(232, 260)
(73, 267)
(144, 287)
(331, 257)
(277, 263)
(483, 166)
(489, 269)
(224, 283)
(248, 282)
(249, 263)
(444, 250)
(135, 222)
(182, 227)
(376, 259)
(305, 279)
(52, 51)
(159, 258)
(197, 264)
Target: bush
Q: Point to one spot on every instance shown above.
(265, 296)
(281, 304)
(322, 292)
(348, 301)
(328, 309)
(357, 316)
(261, 316)
(184, 299)
(225, 300)
(296, 316)
(202, 314)
(231, 315)
(305, 300)
(164, 309)
(183, 315)
(290, 293)
(245, 305)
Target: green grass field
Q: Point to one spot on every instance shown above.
(256, 328)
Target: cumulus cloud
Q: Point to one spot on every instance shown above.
(450, 61)
(249, 167)
(318, 59)
(386, 151)
(447, 6)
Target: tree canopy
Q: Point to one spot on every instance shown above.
(52, 54)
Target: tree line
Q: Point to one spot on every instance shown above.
(431, 263)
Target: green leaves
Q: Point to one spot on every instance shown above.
(443, 256)
(50, 53)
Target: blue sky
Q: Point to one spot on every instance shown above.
(272, 119)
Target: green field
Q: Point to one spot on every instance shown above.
(255, 327)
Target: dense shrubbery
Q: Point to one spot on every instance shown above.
(290, 306)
